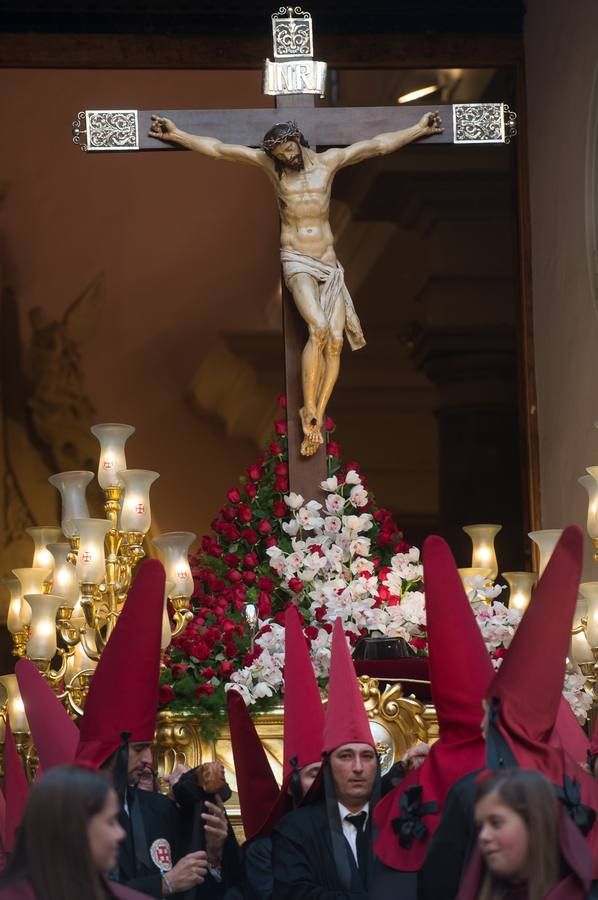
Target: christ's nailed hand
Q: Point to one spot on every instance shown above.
(431, 123)
(162, 128)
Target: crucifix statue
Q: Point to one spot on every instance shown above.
(302, 179)
(317, 307)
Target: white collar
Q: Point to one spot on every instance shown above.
(344, 812)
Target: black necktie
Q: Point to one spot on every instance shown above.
(358, 822)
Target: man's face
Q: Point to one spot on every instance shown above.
(289, 154)
(353, 769)
(307, 776)
(140, 758)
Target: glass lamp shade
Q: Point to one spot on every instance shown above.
(42, 643)
(64, 579)
(174, 546)
(546, 541)
(483, 554)
(32, 582)
(589, 592)
(13, 617)
(42, 535)
(91, 558)
(14, 704)
(166, 629)
(79, 661)
(521, 585)
(72, 487)
(590, 483)
(135, 513)
(78, 616)
(112, 437)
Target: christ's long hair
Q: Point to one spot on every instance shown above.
(532, 797)
(52, 851)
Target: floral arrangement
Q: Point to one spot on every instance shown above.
(343, 556)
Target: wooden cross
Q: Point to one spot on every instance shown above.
(118, 130)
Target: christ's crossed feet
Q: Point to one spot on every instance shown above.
(312, 433)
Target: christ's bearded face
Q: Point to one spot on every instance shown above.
(289, 154)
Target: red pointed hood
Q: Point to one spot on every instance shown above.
(528, 686)
(303, 737)
(54, 733)
(526, 691)
(123, 695)
(460, 672)
(303, 710)
(594, 741)
(346, 719)
(569, 734)
(256, 785)
(16, 789)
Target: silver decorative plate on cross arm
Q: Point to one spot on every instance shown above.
(107, 129)
(294, 70)
(483, 123)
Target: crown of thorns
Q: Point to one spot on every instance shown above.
(290, 132)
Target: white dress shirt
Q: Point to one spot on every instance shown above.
(349, 829)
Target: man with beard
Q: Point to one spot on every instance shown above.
(302, 179)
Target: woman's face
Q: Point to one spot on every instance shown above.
(503, 838)
(105, 833)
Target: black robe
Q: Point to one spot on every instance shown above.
(162, 820)
(303, 861)
(451, 845)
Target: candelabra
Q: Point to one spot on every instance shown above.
(64, 607)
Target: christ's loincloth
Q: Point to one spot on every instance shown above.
(332, 279)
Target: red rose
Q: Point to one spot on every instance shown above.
(296, 585)
(178, 670)
(166, 694)
(250, 491)
(228, 625)
(243, 513)
(383, 592)
(249, 535)
(233, 495)
(499, 653)
(233, 575)
(228, 513)
(311, 632)
(279, 509)
(281, 468)
(264, 527)
(281, 484)
(333, 449)
(254, 472)
(282, 401)
(231, 560)
(250, 560)
(280, 427)
(208, 672)
(226, 669)
(203, 689)
(270, 541)
(274, 448)
(402, 547)
(248, 658)
(230, 651)
(320, 613)
(265, 584)
(200, 650)
(264, 605)
(249, 576)
(279, 618)
(418, 643)
(329, 423)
